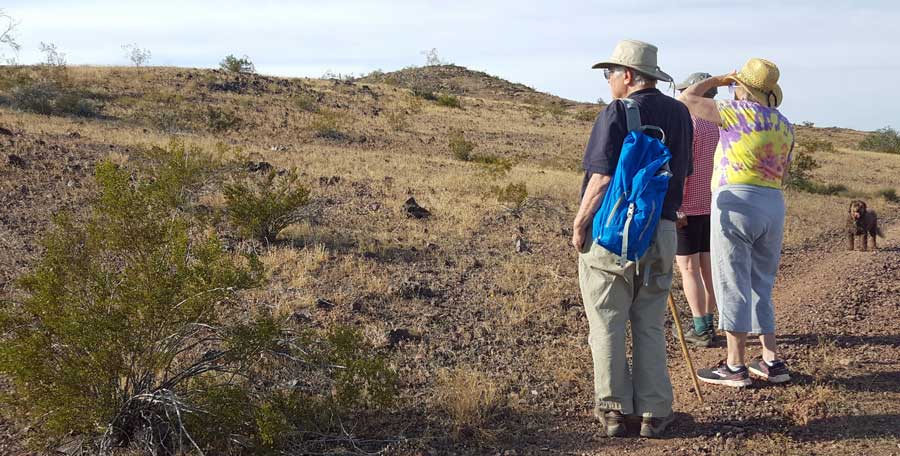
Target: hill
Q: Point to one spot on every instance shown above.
(476, 307)
(457, 80)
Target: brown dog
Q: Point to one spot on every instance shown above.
(862, 222)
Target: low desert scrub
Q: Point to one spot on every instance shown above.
(805, 404)
(459, 146)
(812, 145)
(882, 140)
(219, 120)
(449, 101)
(239, 65)
(471, 399)
(889, 195)
(328, 124)
(306, 102)
(587, 115)
(259, 208)
(514, 194)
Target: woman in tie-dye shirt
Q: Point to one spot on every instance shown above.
(747, 218)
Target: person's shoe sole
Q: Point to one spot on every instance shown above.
(649, 432)
(733, 383)
(699, 343)
(773, 379)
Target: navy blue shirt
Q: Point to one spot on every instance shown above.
(602, 153)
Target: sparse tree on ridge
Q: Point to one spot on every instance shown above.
(237, 65)
(52, 56)
(8, 36)
(138, 56)
(432, 58)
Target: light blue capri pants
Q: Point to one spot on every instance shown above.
(747, 229)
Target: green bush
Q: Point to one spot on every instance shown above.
(801, 168)
(132, 333)
(461, 149)
(260, 209)
(123, 311)
(234, 64)
(587, 115)
(328, 124)
(817, 145)
(882, 140)
(50, 98)
(889, 194)
(424, 93)
(219, 120)
(306, 102)
(449, 101)
(513, 193)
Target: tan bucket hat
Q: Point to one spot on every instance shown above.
(638, 56)
(760, 78)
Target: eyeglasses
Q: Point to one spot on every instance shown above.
(607, 72)
(731, 88)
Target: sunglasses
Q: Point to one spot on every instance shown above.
(609, 72)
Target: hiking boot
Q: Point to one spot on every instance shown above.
(723, 375)
(704, 339)
(614, 421)
(776, 373)
(653, 427)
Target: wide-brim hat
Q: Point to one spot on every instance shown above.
(760, 78)
(638, 56)
(694, 78)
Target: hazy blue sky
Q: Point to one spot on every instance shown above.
(839, 61)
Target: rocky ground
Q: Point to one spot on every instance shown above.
(478, 300)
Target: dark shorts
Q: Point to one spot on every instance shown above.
(694, 238)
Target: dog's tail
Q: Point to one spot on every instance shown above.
(879, 232)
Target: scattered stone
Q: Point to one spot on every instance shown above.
(410, 289)
(301, 316)
(413, 209)
(326, 181)
(74, 134)
(15, 160)
(395, 336)
(323, 303)
(521, 246)
(254, 167)
(6, 132)
(357, 305)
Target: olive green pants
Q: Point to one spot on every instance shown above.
(615, 295)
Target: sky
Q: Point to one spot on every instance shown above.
(839, 60)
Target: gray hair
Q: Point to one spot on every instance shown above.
(638, 77)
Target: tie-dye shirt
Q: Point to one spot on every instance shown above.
(755, 145)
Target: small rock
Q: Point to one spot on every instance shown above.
(413, 209)
(301, 316)
(15, 160)
(323, 303)
(254, 167)
(74, 134)
(521, 246)
(395, 336)
(5, 132)
(357, 305)
(326, 181)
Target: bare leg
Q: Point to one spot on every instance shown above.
(769, 347)
(691, 281)
(706, 273)
(737, 342)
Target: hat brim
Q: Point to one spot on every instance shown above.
(761, 96)
(659, 75)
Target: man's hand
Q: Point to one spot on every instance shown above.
(578, 238)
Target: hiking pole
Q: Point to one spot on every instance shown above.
(684, 349)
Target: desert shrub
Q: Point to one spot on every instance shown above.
(556, 110)
(470, 399)
(261, 208)
(801, 168)
(882, 140)
(807, 124)
(328, 124)
(459, 146)
(587, 115)
(50, 98)
(449, 101)
(822, 189)
(424, 93)
(137, 55)
(239, 65)
(219, 120)
(493, 165)
(306, 102)
(132, 333)
(513, 193)
(124, 309)
(812, 145)
(889, 194)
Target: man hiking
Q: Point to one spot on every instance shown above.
(616, 292)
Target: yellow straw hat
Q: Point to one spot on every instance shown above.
(760, 78)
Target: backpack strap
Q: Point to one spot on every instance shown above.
(633, 120)
(632, 114)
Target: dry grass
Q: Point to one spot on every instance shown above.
(470, 398)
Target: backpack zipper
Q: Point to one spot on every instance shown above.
(644, 231)
(614, 208)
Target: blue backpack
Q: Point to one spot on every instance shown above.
(632, 205)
